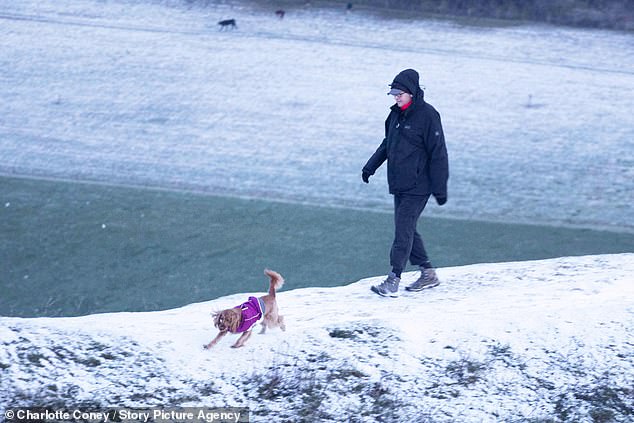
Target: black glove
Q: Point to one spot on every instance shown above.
(440, 199)
(365, 175)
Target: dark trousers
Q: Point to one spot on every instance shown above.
(408, 244)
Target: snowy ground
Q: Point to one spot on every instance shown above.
(151, 93)
(546, 340)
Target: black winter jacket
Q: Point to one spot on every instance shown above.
(414, 146)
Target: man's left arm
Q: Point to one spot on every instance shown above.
(438, 160)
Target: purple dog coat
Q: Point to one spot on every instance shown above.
(252, 312)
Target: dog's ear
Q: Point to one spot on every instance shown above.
(233, 318)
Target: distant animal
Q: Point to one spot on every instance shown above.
(280, 13)
(349, 7)
(227, 24)
(242, 318)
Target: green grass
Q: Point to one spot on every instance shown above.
(73, 248)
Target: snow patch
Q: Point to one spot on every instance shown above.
(494, 342)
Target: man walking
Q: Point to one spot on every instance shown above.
(417, 167)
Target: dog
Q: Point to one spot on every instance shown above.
(242, 318)
(280, 13)
(228, 23)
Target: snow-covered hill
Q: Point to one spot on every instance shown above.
(538, 340)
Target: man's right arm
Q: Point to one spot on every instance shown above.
(377, 159)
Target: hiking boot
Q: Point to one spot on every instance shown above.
(427, 279)
(389, 287)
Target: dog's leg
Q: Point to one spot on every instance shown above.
(280, 322)
(240, 342)
(215, 340)
(263, 328)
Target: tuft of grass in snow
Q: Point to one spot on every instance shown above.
(466, 371)
(601, 398)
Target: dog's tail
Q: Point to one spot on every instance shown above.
(276, 281)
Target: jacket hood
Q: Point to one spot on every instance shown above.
(409, 79)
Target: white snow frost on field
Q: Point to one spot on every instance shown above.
(539, 127)
(538, 119)
(546, 340)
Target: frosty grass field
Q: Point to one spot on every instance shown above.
(538, 119)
